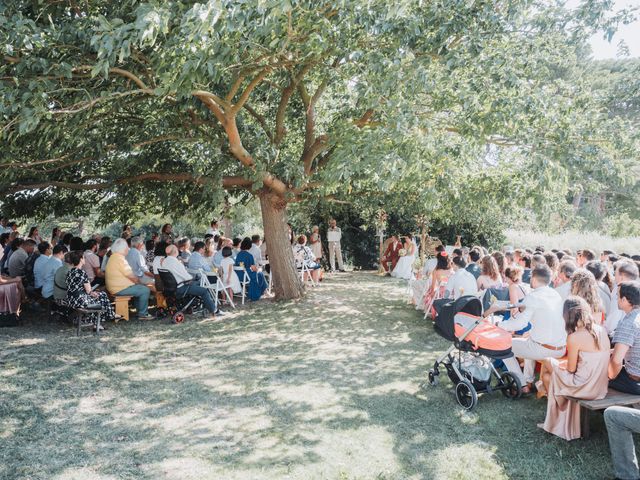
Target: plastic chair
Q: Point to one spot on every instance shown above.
(244, 280)
(215, 289)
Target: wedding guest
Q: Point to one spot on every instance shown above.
(44, 248)
(103, 248)
(518, 290)
(625, 271)
(524, 261)
(566, 270)
(473, 268)
(257, 284)
(600, 272)
(624, 366)
(334, 235)
(55, 236)
(209, 250)
(585, 256)
(166, 233)
(34, 235)
(500, 261)
(227, 273)
(159, 253)
(314, 243)
(255, 249)
(235, 247)
(547, 337)
(439, 278)
(79, 292)
(17, 262)
(197, 260)
(461, 282)
(51, 267)
(184, 249)
(303, 255)
(622, 423)
(582, 375)
(126, 232)
(490, 277)
(92, 263)
(138, 264)
(213, 228)
(584, 285)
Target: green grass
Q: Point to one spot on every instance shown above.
(327, 387)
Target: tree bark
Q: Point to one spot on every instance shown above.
(286, 281)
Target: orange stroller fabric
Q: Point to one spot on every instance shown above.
(485, 335)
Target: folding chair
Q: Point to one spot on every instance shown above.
(215, 289)
(303, 273)
(244, 280)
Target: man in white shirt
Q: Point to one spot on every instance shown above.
(138, 263)
(565, 271)
(255, 250)
(625, 271)
(184, 280)
(547, 337)
(461, 282)
(44, 248)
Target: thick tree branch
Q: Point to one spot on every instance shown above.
(309, 155)
(284, 101)
(227, 182)
(234, 88)
(245, 95)
(261, 120)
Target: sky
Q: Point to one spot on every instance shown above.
(602, 49)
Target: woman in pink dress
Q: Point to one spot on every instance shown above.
(583, 374)
(439, 278)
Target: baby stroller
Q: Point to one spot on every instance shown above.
(176, 307)
(478, 343)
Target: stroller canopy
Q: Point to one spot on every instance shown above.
(445, 316)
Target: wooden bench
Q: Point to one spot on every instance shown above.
(613, 399)
(121, 304)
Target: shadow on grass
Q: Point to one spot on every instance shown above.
(326, 387)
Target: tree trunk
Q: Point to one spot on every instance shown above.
(286, 281)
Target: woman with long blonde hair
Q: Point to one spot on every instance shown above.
(490, 277)
(584, 285)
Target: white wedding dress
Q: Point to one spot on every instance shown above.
(404, 267)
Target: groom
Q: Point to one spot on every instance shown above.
(391, 254)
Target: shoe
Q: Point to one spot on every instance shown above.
(342, 270)
(220, 313)
(146, 317)
(102, 328)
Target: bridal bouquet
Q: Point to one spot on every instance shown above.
(402, 252)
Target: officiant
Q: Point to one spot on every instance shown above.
(334, 235)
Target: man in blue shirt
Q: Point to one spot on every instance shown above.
(473, 268)
(137, 262)
(38, 267)
(49, 270)
(197, 260)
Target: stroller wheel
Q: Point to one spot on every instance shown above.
(433, 378)
(511, 387)
(466, 395)
(178, 317)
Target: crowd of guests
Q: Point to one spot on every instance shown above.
(574, 315)
(79, 272)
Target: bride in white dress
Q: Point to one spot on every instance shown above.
(404, 267)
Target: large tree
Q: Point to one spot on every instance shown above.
(162, 106)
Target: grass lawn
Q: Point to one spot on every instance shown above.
(327, 387)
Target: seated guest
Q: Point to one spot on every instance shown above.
(92, 263)
(217, 258)
(255, 249)
(582, 375)
(44, 248)
(126, 232)
(257, 284)
(185, 280)
(227, 273)
(79, 292)
(524, 261)
(149, 246)
(121, 281)
(76, 244)
(553, 263)
(103, 248)
(209, 250)
(430, 264)
(184, 249)
(518, 290)
(473, 268)
(490, 277)
(160, 252)
(235, 247)
(13, 245)
(542, 308)
(563, 279)
(303, 255)
(197, 261)
(584, 285)
(585, 256)
(56, 236)
(166, 233)
(622, 423)
(624, 366)
(50, 268)
(138, 264)
(439, 278)
(499, 258)
(461, 282)
(263, 249)
(60, 279)
(66, 239)
(625, 271)
(18, 259)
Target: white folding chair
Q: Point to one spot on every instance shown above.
(215, 289)
(267, 274)
(305, 272)
(244, 282)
